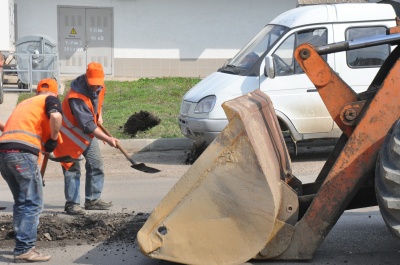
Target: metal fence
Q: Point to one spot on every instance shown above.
(30, 68)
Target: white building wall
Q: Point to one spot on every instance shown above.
(190, 29)
(161, 29)
(7, 25)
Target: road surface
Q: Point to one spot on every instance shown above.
(359, 237)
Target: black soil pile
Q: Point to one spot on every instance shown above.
(194, 151)
(62, 229)
(141, 121)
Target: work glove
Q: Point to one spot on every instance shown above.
(50, 145)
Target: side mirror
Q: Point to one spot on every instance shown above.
(269, 69)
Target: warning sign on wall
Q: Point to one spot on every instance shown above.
(73, 31)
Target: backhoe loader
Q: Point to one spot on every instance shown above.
(240, 200)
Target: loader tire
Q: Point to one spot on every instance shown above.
(387, 179)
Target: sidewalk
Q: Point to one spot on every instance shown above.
(131, 145)
(9, 103)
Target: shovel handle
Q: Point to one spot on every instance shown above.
(44, 165)
(118, 145)
(126, 154)
(104, 129)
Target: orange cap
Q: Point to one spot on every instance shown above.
(47, 85)
(95, 74)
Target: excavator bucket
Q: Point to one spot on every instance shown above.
(234, 201)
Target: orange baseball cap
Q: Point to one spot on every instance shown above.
(95, 74)
(49, 85)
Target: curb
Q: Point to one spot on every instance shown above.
(144, 145)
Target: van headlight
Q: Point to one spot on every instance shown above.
(205, 105)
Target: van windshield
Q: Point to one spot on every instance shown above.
(247, 57)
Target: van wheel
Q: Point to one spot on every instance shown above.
(387, 179)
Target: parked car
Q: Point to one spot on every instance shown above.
(297, 103)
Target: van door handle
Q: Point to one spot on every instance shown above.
(312, 90)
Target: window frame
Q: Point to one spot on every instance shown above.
(366, 50)
(296, 69)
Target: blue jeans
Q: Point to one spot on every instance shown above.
(94, 176)
(22, 174)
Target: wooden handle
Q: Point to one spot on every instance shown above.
(44, 165)
(135, 165)
(118, 145)
(104, 129)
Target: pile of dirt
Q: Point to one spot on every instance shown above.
(141, 121)
(66, 229)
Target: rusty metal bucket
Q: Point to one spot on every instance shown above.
(233, 201)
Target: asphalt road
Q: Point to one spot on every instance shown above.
(359, 237)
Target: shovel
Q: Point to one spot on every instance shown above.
(135, 165)
(44, 165)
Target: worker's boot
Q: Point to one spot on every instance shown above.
(73, 209)
(32, 255)
(98, 204)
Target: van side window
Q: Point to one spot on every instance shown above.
(370, 56)
(284, 61)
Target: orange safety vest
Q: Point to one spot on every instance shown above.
(75, 141)
(28, 124)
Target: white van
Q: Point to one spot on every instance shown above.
(297, 103)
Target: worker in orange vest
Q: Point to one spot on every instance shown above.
(82, 108)
(32, 128)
